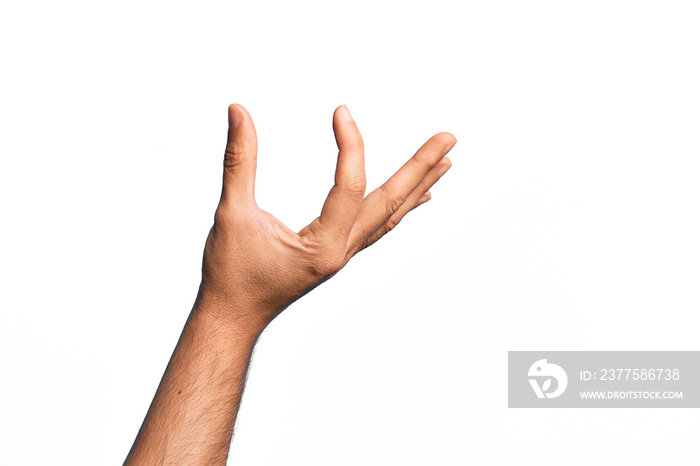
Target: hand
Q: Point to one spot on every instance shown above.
(254, 266)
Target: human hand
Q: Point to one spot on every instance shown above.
(254, 266)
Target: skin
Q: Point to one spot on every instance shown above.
(253, 268)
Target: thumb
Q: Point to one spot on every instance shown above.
(240, 158)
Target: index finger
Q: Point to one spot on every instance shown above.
(343, 202)
(384, 201)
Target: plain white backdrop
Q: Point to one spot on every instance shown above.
(569, 220)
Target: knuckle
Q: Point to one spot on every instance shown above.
(394, 203)
(328, 263)
(323, 267)
(424, 158)
(356, 185)
(390, 224)
(235, 154)
(393, 200)
(325, 256)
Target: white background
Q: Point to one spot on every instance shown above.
(569, 220)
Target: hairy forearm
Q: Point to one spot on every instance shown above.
(192, 415)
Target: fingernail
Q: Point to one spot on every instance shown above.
(345, 113)
(443, 170)
(234, 117)
(423, 199)
(449, 147)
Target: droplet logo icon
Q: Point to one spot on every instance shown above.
(544, 372)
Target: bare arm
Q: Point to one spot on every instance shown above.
(191, 418)
(254, 267)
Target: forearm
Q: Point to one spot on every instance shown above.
(192, 415)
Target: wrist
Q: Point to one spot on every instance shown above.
(238, 318)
